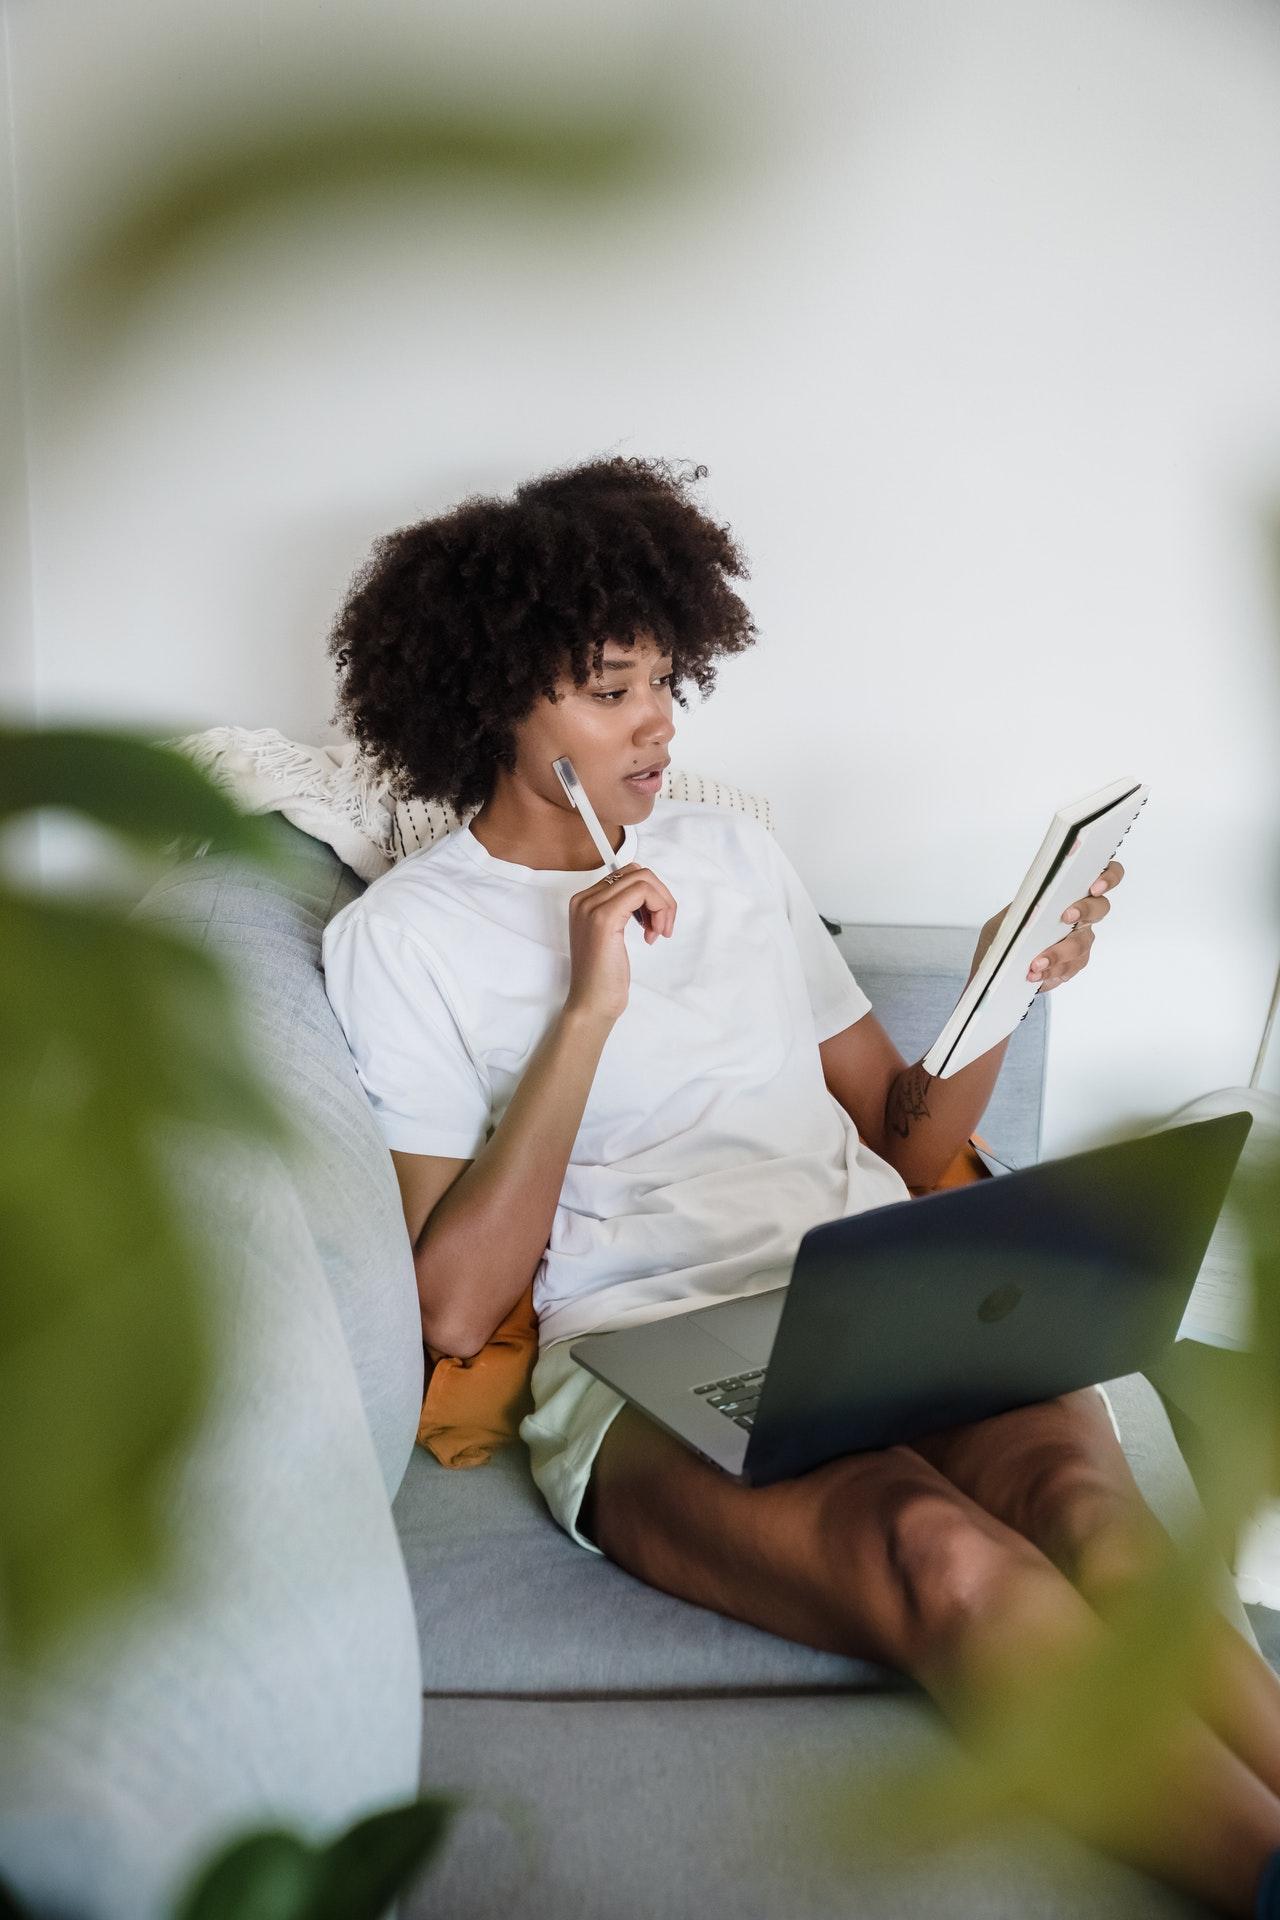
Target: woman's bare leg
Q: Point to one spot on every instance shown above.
(880, 1556)
(1056, 1474)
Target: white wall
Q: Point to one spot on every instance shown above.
(971, 312)
(17, 653)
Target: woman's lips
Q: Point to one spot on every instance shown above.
(649, 782)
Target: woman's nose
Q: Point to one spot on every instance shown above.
(658, 724)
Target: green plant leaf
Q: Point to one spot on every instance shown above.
(112, 1032)
(150, 794)
(209, 188)
(277, 1876)
(362, 1872)
(264, 1876)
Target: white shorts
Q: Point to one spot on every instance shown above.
(572, 1412)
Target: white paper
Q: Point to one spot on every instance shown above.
(1000, 995)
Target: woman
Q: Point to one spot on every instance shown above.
(647, 1120)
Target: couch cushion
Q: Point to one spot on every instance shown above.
(507, 1604)
(267, 931)
(672, 1809)
(271, 1672)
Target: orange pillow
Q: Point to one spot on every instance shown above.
(966, 1166)
(472, 1406)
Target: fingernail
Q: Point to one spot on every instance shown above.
(1099, 886)
(1072, 913)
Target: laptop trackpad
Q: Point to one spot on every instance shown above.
(748, 1326)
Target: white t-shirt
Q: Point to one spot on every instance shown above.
(709, 1143)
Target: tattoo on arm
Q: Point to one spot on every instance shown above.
(907, 1101)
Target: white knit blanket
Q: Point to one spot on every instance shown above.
(333, 793)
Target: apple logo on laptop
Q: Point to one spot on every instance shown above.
(997, 1304)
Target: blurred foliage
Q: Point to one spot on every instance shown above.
(277, 1876)
(207, 191)
(1077, 1745)
(110, 1031)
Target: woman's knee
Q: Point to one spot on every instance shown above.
(874, 1555)
(907, 1558)
(1095, 1529)
(951, 1569)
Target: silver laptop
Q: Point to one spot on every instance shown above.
(944, 1308)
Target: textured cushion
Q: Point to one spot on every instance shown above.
(674, 1809)
(507, 1603)
(268, 933)
(419, 823)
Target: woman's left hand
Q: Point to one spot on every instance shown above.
(1068, 955)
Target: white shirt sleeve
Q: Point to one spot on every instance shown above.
(834, 995)
(428, 1091)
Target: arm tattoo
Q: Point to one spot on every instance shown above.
(907, 1101)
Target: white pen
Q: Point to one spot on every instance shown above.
(577, 793)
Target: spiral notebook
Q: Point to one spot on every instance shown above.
(1083, 836)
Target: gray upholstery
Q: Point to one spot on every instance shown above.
(284, 1682)
(276, 1677)
(475, 1539)
(674, 1809)
(271, 942)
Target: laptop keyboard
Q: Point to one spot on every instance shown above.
(735, 1397)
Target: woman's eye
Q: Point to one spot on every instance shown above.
(618, 692)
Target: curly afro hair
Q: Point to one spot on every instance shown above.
(454, 628)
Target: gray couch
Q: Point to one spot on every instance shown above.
(356, 1619)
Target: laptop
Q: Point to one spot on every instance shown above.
(944, 1308)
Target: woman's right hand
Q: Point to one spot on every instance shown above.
(599, 970)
